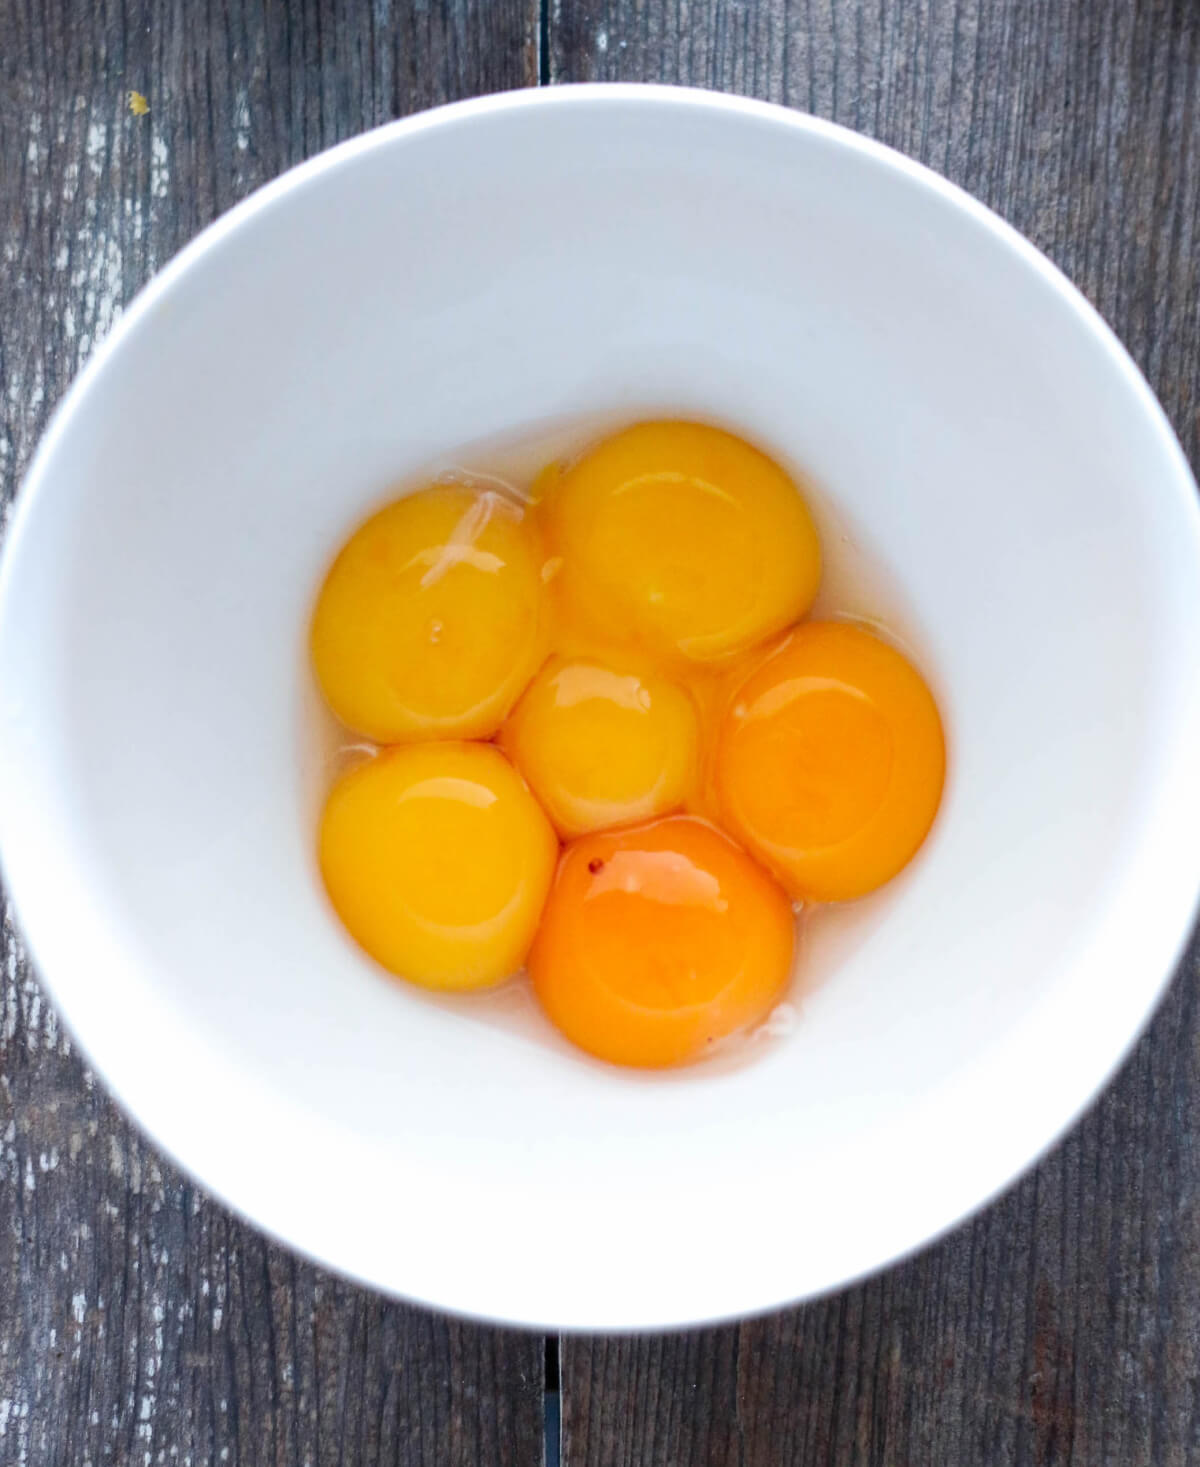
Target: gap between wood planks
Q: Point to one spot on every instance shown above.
(552, 1407)
(543, 43)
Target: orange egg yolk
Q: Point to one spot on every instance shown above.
(601, 747)
(830, 761)
(437, 860)
(431, 620)
(658, 941)
(633, 639)
(682, 540)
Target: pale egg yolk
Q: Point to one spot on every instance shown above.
(830, 761)
(659, 940)
(431, 620)
(601, 747)
(683, 540)
(438, 859)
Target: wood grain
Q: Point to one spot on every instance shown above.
(1063, 1326)
(138, 1322)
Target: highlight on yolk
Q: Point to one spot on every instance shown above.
(431, 620)
(601, 747)
(438, 859)
(830, 761)
(708, 754)
(684, 540)
(659, 940)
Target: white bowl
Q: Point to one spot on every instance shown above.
(530, 259)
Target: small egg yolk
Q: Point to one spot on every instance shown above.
(830, 761)
(438, 859)
(431, 620)
(601, 747)
(659, 940)
(682, 539)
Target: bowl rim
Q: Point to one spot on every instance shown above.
(110, 1055)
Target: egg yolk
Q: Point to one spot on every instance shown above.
(659, 940)
(601, 747)
(431, 620)
(830, 761)
(682, 539)
(438, 859)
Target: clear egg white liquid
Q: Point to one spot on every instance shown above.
(857, 585)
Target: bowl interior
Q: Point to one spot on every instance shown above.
(509, 268)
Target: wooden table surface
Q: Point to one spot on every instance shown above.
(140, 1323)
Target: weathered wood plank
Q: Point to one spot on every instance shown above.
(1062, 1327)
(138, 1322)
(1059, 1328)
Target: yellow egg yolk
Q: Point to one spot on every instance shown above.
(682, 540)
(631, 635)
(437, 859)
(601, 747)
(830, 761)
(431, 620)
(658, 941)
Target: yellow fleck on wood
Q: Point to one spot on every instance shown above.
(138, 104)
